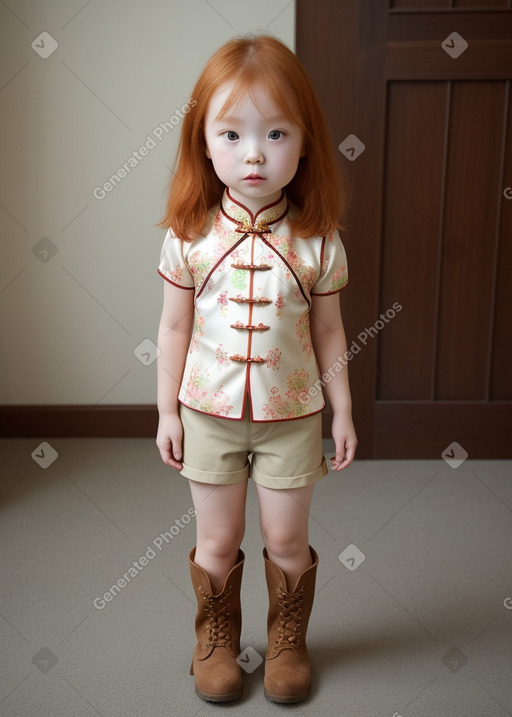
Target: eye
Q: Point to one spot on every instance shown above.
(232, 136)
(275, 134)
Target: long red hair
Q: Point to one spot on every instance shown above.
(318, 188)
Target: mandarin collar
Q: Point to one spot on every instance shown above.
(241, 215)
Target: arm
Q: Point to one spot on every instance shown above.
(329, 343)
(173, 341)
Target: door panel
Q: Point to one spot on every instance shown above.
(426, 89)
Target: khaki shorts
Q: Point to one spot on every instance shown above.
(285, 454)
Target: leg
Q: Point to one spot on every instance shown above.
(220, 523)
(216, 565)
(284, 515)
(290, 570)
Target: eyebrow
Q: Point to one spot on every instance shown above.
(230, 118)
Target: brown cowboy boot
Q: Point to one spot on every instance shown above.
(287, 665)
(218, 676)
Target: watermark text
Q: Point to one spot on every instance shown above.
(138, 565)
(158, 133)
(363, 338)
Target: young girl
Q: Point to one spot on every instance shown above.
(253, 264)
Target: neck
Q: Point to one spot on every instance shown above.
(255, 204)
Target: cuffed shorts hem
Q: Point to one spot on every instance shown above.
(279, 482)
(217, 478)
(295, 482)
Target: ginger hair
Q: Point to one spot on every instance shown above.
(318, 189)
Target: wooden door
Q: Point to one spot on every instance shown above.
(417, 96)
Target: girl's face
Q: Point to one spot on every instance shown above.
(255, 149)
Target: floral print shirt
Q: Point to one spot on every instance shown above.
(252, 284)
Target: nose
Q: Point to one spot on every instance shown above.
(253, 154)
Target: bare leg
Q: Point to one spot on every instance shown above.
(284, 518)
(220, 522)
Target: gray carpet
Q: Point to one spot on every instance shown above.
(413, 607)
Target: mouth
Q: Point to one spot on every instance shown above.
(254, 180)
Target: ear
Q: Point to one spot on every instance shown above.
(207, 151)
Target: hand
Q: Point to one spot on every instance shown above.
(345, 440)
(169, 440)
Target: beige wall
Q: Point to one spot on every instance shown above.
(70, 321)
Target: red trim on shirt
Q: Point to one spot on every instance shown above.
(219, 262)
(322, 256)
(327, 293)
(180, 286)
(239, 204)
(290, 268)
(273, 204)
(252, 216)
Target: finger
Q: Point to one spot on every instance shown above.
(175, 464)
(351, 449)
(343, 458)
(336, 465)
(176, 448)
(166, 453)
(175, 461)
(171, 459)
(176, 451)
(340, 454)
(336, 462)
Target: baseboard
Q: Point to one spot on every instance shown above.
(63, 421)
(111, 421)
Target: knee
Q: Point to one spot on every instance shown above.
(282, 544)
(222, 542)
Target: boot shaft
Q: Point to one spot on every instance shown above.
(289, 610)
(219, 617)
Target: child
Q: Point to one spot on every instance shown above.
(253, 264)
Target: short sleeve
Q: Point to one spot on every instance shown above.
(334, 274)
(173, 266)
